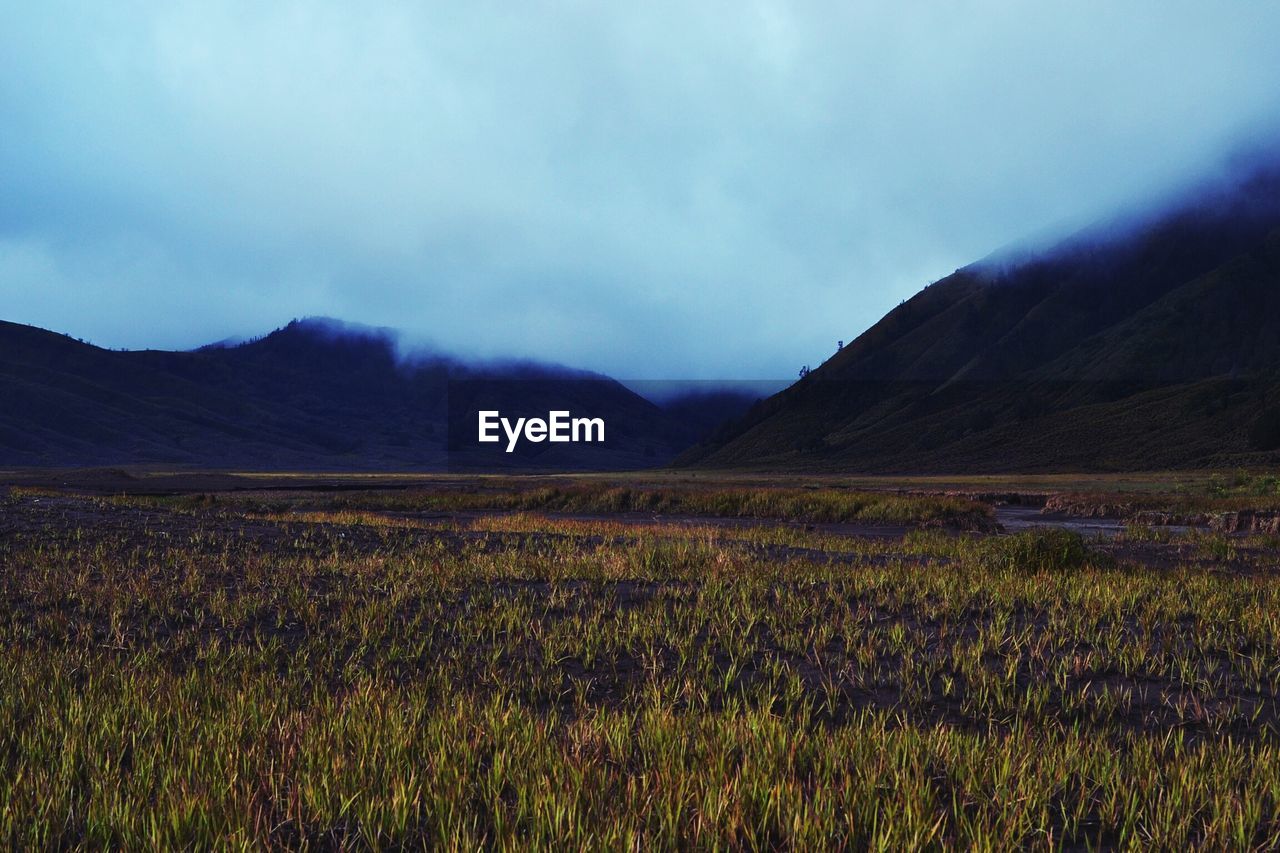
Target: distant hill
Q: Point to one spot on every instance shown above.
(1139, 344)
(312, 395)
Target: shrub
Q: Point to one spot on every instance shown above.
(1044, 550)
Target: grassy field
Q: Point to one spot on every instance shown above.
(784, 503)
(604, 666)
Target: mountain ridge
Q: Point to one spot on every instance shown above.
(313, 394)
(975, 370)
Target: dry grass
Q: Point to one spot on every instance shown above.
(212, 679)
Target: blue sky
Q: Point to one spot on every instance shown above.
(654, 190)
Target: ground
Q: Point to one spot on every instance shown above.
(213, 659)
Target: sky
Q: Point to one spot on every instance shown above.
(653, 190)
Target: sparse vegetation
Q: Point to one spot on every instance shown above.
(209, 676)
(817, 504)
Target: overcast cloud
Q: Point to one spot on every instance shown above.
(641, 188)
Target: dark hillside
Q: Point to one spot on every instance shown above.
(1149, 344)
(312, 395)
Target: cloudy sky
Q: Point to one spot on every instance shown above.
(678, 190)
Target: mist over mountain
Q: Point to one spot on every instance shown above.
(1142, 342)
(1147, 340)
(317, 394)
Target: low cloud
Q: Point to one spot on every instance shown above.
(643, 190)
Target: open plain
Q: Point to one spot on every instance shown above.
(220, 659)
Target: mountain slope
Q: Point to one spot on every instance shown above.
(1155, 344)
(311, 395)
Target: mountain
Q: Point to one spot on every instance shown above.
(315, 394)
(1142, 343)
